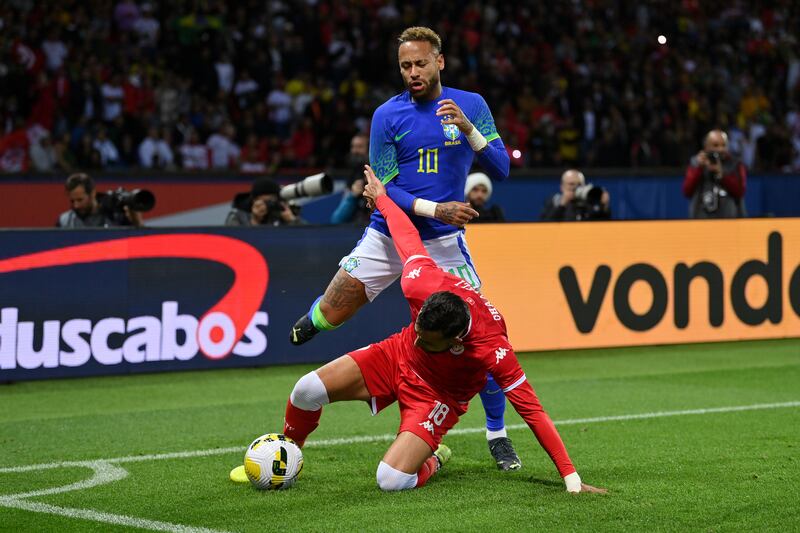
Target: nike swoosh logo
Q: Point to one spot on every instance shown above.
(398, 137)
(494, 391)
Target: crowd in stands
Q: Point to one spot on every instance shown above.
(258, 85)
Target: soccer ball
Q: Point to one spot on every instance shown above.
(273, 462)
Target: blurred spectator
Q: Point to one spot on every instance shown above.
(262, 206)
(225, 73)
(353, 206)
(126, 13)
(65, 160)
(154, 152)
(87, 209)
(280, 107)
(478, 191)
(301, 144)
(167, 96)
(14, 147)
(577, 200)
(55, 51)
(88, 157)
(245, 90)
(254, 156)
(43, 155)
(128, 154)
(195, 155)
(715, 180)
(109, 155)
(113, 95)
(147, 27)
(224, 151)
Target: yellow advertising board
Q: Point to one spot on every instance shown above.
(592, 284)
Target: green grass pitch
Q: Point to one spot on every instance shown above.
(688, 463)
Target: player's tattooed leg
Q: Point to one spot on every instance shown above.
(344, 296)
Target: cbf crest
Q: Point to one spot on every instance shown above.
(351, 264)
(451, 131)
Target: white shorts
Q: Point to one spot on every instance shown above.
(375, 263)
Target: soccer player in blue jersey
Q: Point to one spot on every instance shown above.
(422, 145)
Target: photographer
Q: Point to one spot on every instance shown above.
(715, 180)
(577, 200)
(91, 210)
(263, 206)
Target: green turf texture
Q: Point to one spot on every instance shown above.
(734, 471)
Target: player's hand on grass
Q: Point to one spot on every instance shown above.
(591, 489)
(455, 213)
(373, 188)
(453, 115)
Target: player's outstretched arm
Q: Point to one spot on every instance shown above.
(404, 235)
(509, 375)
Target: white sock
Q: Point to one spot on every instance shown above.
(391, 479)
(491, 435)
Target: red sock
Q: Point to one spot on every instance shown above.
(428, 469)
(298, 424)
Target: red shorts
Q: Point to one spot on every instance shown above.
(423, 411)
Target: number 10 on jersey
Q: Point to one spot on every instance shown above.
(425, 160)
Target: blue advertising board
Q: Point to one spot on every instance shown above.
(101, 302)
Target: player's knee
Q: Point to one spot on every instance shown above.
(391, 479)
(309, 393)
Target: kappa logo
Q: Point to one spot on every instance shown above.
(414, 274)
(500, 353)
(427, 425)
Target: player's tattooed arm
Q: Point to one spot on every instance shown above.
(455, 213)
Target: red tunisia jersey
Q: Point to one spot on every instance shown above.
(461, 371)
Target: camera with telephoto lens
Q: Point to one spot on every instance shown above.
(589, 194)
(315, 185)
(114, 202)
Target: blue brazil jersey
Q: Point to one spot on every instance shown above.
(410, 147)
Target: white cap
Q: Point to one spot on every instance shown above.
(478, 178)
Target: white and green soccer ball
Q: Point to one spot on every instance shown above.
(273, 462)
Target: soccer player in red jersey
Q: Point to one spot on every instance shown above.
(432, 368)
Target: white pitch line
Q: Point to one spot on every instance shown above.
(97, 516)
(391, 436)
(103, 473)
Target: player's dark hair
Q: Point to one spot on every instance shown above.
(421, 33)
(80, 180)
(444, 312)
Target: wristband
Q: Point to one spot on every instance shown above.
(425, 208)
(573, 482)
(476, 140)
